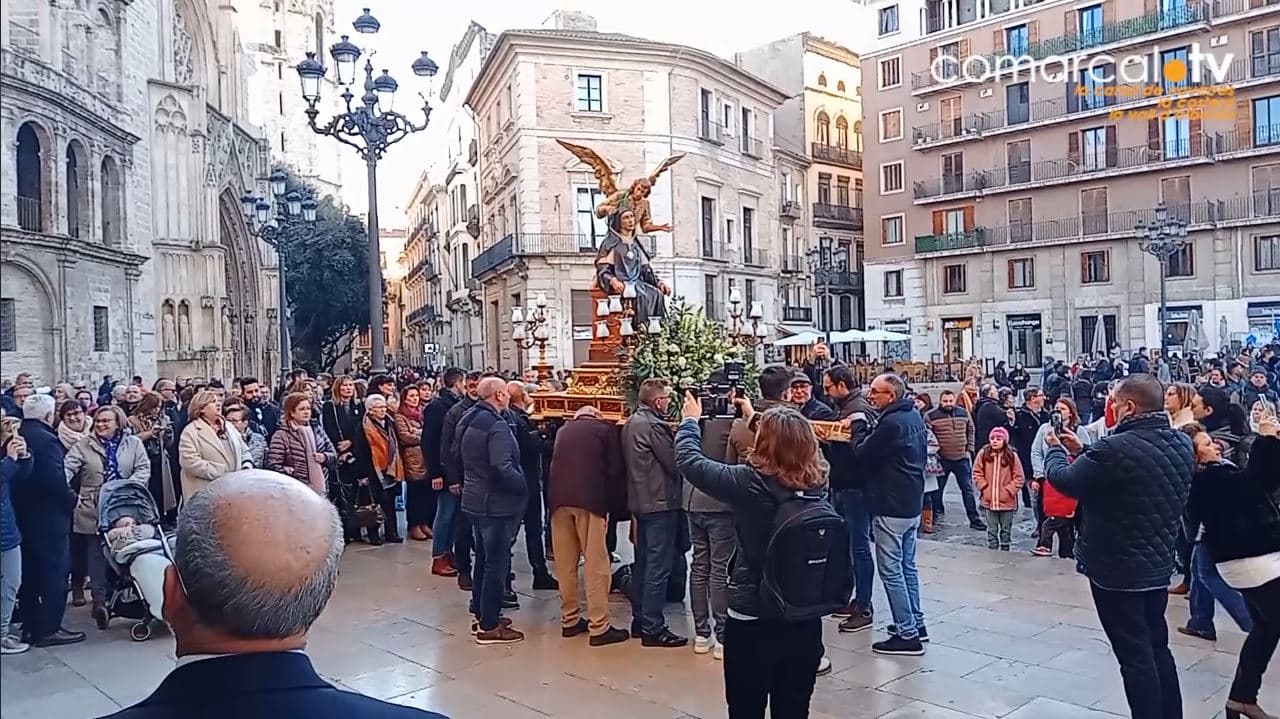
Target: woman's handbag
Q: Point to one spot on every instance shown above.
(367, 516)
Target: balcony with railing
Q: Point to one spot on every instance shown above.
(1113, 35)
(753, 147)
(838, 281)
(1080, 101)
(841, 216)
(1018, 175)
(1261, 207)
(755, 256)
(802, 315)
(835, 155)
(30, 214)
(793, 263)
(541, 245)
(711, 131)
(791, 210)
(1228, 8)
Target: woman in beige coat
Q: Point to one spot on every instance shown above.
(210, 446)
(107, 453)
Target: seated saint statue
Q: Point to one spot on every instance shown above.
(622, 260)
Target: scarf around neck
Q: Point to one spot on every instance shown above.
(69, 435)
(110, 456)
(383, 451)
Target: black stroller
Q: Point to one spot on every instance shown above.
(125, 498)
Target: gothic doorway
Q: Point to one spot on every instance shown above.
(239, 317)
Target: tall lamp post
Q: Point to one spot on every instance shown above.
(746, 331)
(1162, 239)
(370, 126)
(826, 266)
(266, 226)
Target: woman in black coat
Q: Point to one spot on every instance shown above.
(767, 660)
(1240, 511)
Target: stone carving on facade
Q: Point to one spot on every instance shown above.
(183, 69)
(168, 331)
(232, 156)
(184, 326)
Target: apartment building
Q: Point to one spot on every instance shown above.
(821, 119)
(427, 339)
(391, 244)
(1002, 205)
(636, 103)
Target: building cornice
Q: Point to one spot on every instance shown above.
(831, 50)
(20, 74)
(71, 248)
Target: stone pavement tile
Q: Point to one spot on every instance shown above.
(841, 699)
(394, 681)
(1003, 646)
(1041, 682)
(963, 695)
(459, 698)
(569, 697)
(1042, 708)
(983, 618)
(50, 680)
(1078, 637)
(938, 658)
(1203, 696)
(342, 656)
(925, 710)
(77, 703)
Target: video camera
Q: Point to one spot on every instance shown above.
(722, 387)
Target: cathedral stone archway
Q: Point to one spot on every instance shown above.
(241, 318)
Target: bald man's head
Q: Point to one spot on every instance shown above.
(517, 393)
(494, 391)
(258, 554)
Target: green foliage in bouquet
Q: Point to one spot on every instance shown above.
(686, 352)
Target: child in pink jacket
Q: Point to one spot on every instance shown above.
(997, 474)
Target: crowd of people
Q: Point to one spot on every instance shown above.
(1130, 480)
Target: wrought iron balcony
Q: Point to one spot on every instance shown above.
(793, 263)
(952, 241)
(829, 215)
(540, 245)
(797, 314)
(30, 214)
(838, 281)
(835, 155)
(791, 210)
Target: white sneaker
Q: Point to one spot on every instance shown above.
(12, 645)
(718, 651)
(824, 666)
(702, 645)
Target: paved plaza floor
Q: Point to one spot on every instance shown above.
(1013, 636)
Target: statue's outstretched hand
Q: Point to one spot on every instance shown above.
(662, 228)
(664, 288)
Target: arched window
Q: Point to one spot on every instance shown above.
(319, 35)
(31, 181)
(111, 198)
(77, 179)
(857, 135)
(840, 86)
(822, 79)
(842, 133)
(823, 127)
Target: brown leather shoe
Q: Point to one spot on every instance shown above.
(1180, 588)
(442, 566)
(417, 535)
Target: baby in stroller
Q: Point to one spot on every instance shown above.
(136, 550)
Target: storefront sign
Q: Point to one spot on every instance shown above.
(1181, 314)
(897, 326)
(958, 324)
(1022, 322)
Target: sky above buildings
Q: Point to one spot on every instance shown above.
(408, 26)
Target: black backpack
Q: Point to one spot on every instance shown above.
(807, 571)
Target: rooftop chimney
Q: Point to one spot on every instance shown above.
(570, 20)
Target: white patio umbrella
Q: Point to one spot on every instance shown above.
(849, 336)
(1099, 347)
(800, 339)
(884, 336)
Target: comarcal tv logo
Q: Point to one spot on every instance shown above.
(1194, 83)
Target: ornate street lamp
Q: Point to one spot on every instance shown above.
(370, 125)
(749, 332)
(265, 226)
(529, 328)
(827, 267)
(1162, 239)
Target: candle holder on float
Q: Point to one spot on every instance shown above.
(529, 329)
(622, 308)
(749, 331)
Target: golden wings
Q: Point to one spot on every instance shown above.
(604, 174)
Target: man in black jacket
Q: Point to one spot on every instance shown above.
(451, 389)
(847, 477)
(453, 477)
(1132, 486)
(531, 450)
(988, 414)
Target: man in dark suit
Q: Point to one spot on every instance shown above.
(241, 616)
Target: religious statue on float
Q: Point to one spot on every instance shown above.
(622, 261)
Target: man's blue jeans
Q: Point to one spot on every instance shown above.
(493, 538)
(1206, 586)
(442, 527)
(963, 470)
(655, 551)
(896, 555)
(852, 504)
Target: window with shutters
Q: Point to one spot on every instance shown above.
(1018, 158)
(1183, 262)
(823, 128)
(1093, 211)
(1090, 23)
(891, 177)
(1266, 121)
(1093, 147)
(8, 325)
(888, 20)
(891, 125)
(708, 227)
(1091, 92)
(1266, 254)
(893, 283)
(890, 72)
(1266, 190)
(949, 69)
(1016, 40)
(842, 133)
(101, 329)
(709, 294)
(953, 221)
(1175, 193)
(824, 188)
(842, 191)
(749, 235)
(1178, 55)
(591, 230)
(953, 279)
(953, 172)
(1020, 219)
(891, 232)
(1017, 104)
(1177, 137)
(1264, 52)
(949, 109)
(1095, 267)
(857, 192)
(1022, 273)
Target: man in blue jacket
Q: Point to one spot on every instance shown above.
(894, 455)
(1132, 486)
(494, 494)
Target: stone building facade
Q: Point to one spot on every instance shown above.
(122, 136)
(636, 103)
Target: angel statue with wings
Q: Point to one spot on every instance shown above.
(621, 260)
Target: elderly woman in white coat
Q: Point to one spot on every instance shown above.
(210, 446)
(108, 452)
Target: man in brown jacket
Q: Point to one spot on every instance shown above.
(586, 482)
(954, 429)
